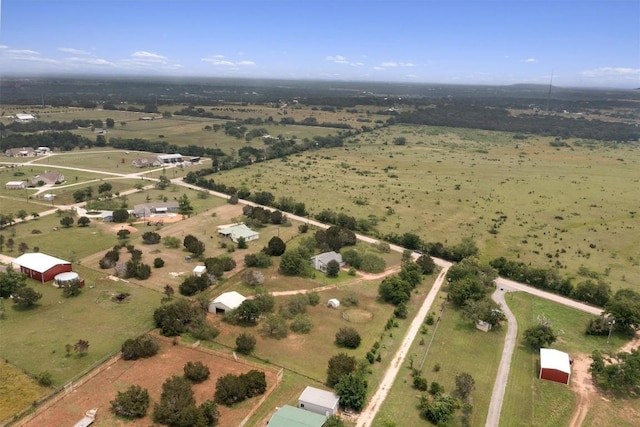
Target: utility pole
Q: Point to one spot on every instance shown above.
(611, 323)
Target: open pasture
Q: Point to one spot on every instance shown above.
(563, 207)
(18, 390)
(457, 347)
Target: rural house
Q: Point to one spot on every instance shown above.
(49, 178)
(320, 401)
(170, 158)
(288, 416)
(145, 162)
(555, 365)
(20, 152)
(24, 118)
(321, 261)
(226, 302)
(41, 267)
(146, 209)
(234, 232)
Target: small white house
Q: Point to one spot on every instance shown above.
(320, 262)
(226, 302)
(333, 303)
(234, 232)
(320, 401)
(199, 270)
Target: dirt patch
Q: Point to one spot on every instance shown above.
(150, 374)
(357, 315)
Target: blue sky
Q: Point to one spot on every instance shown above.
(593, 43)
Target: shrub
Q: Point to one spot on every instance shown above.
(348, 337)
(158, 262)
(258, 260)
(44, 378)
(420, 383)
(196, 372)
(314, 298)
(151, 238)
(302, 324)
(231, 388)
(132, 403)
(339, 365)
(245, 343)
(401, 311)
(350, 299)
(141, 347)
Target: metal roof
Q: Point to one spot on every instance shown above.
(288, 416)
(38, 261)
(231, 299)
(324, 398)
(554, 359)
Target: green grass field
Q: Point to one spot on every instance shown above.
(18, 390)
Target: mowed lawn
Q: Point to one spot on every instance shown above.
(457, 347)
(529, 401)
(35, 339)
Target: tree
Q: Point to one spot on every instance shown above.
(245, 343)
(196, 372)
(618, 372)
(176, 403)
(81, 347)
(340, 365)
(333, 268)
(333, 421)
(105, 187)
(438, 409)
(168, 291)
(248, 311)
(66, 221)
(110, 123)
(465, 384)
(26, 297)
(372, 263)
(252, 278)
(123, 234)
(242, 243)
(624, 307)
(10, 281)
(22, 214)
(139, 348)
(211, 412)
(158, 262)
(540, 335)
(426, 263)
(163, 182)
(132, 403)
(193, 245)
(72, 289)
(150, 238)
(394, 290)
(173, 319)
(10, 244)
(184, 206)
(295, 262)
(276, 246)
(275, 326)
(352, 389)
(120, 215)
(23, 247)
(302, 324)
(83, 221)
(485, 310)
(258, 260)
(348, 337)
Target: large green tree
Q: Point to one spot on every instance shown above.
(10, 281)
(132, 403)
(624, 308)
(340, 365)
(352, 389)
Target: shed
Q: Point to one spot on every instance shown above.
(226, 302)
(107, 216)
(321, 261)
(15, 185)
(48, 197)
(555, 365)
(235, 231)
(288, 416)
(41, 267)
(320, 401)
(333, 303)
(199, 270)
(483, 326)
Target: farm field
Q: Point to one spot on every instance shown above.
(150, 374)
(18, 390)
(457, 347)
(564, 207)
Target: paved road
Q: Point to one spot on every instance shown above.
(500, 386)
(369, 413)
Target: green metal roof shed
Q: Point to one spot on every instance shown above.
(288, 416)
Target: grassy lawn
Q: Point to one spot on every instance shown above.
(35, 339)
(18, 390)
(457, 347)
(529, 401)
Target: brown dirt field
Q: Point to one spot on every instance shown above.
(583, 386)
(150, 374)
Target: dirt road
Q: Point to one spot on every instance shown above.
(369, 413)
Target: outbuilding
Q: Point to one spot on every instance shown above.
(15, 185)
(199, 270)
(236, 231)
(320, 262)
(333, 303)
(226, 302)
(320, 401)
(288, 416)
(555, 365)
(41, 267)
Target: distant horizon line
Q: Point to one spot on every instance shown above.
(157, 77)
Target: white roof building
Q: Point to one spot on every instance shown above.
(320, 401)
(226, 302)
(199, 270)
(238, 230)
(555, 365)
(24, 117)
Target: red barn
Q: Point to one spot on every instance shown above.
(41, 267)
(554, 365)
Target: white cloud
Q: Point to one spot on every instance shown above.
(529, 60)
(339, 59)
(219, 60)
(73, 51)
(612, 72)
(4, 46)
(378, 68)
(148, 56)
(393, 64)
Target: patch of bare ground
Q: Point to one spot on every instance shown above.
(587, 393)
(150, 373)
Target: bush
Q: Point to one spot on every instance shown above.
(245, 343)
(350, 299)
(196, 372)
(302, 324)
(231, 388)
(73, 289)
(348, 337)
(373, 264)
(258, 260)
(44, 378)
(420, 383)
(339, 365)
(314, 298)
(133, 403)
(401, 311)
(151, 238)
(141, 347)
(158, 262)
